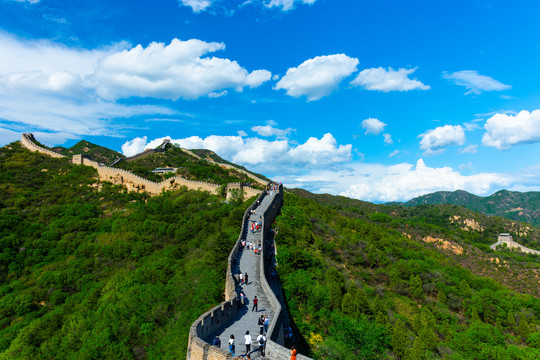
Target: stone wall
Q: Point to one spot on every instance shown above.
(511, 244)
(136, 183)
(28, 142)
(207, 323)
(274, 345)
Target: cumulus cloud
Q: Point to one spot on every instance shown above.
(259, 154)
(474, 82)
(287, 4)
(388, 139)
(173, 71)
(50, 87)
(317, 77)
(269, 130)
(400, 182)
(373, 126)
(434, 141)
(197, 5)
(471, 149)
(504, 130)
(388, 80)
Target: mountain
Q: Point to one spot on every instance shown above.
(367, 281)
(187, 164)
(95, 152)
(90, 270)
(509, 204)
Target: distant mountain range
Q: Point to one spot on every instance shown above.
(509, 204)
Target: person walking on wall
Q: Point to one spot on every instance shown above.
(232, 347)
(260, 322)
(246, 278)
(255, 302)
(241, 276)
(266, 322)
(248, 341)
(217, 342)
(293, 353)
(261, 340)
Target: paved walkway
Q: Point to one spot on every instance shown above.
(246, 319)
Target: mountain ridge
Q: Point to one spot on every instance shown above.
(515, 205)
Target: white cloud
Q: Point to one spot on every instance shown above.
(471, 149)
(259, 154)
(400, 182)
(504, 131)
(435, 140)
(373, 126)
(317, 77)
(173, 71)
(49, 87)
(197, 5)
(474, 82)
(242, 133)
(393, 153)
(287, 4)
(388, 139)
(388, 80)
(268, 130)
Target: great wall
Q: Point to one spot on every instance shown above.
(509, 242)
(136, 183)
(230, 315)
(233, 317)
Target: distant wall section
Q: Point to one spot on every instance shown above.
(136, 183)
(28, 142)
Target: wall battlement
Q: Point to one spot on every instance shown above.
(28, 142)
(209, 322)
(134, 182)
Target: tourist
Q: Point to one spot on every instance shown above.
(242, 297)
(246, 278)
(241, 276)
(255, 302)
(266, 323)
(232, 347)
(217, 342)
(260, 322)
(247, 339)
(261, 340)
(293, 353)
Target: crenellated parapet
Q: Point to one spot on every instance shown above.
(29, 142)
(134, 182)
(210, 321)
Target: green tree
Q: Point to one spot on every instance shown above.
(418, 350)
(465, 289)
(348, 304)
(415, 285)
(400, 339)
(523, 327)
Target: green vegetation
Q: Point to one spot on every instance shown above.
(359, 289)
(94, 152)
(90, 271)
(188, 166)
(209, 154)
(509, 204)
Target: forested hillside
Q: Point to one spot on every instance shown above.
(509, 204)
(189, 167)
(89, 271)
(95, 152)
(365, 284)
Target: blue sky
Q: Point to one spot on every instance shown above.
(380, 101)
